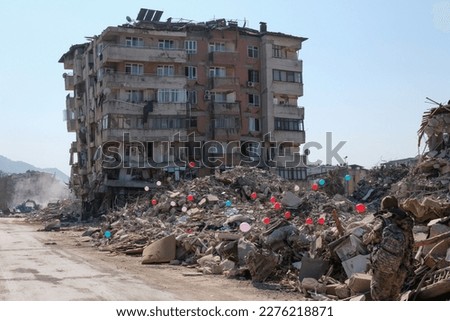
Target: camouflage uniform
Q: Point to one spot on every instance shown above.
(392, 258)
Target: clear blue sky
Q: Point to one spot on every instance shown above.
(368, 66)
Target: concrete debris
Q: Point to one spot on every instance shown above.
(248, 223)
(160, 251)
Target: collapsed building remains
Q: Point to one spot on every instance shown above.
(155, 100)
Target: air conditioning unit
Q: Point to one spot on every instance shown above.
(250, 84)
(207, 95)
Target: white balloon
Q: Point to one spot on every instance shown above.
(244, 227)
(146, 188)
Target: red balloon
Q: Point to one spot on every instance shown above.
(321, 221)
(253, 196)
(277, 206)
(287, 215)
(266, 220)
(273, 200)
(315, 187)
(154, 202)
(190, 198)
(309, 221)
(360, 208)
(191, 164)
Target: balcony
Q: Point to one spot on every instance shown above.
(227, 134)
(117, 53)
(69, 81)
(70, 103)
(224, 57)
(131, 108)
(286, 64)
(289, 136)
(287, 88)
(288, 111)
(142, 135)
(224, 83)
(145, 81)
(226, 108)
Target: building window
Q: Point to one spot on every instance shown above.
(276, 51)
(217, 72)
(167, 123)
(253, 100)
(253, 75)
(226, 122)
(165, 70)
(287, 76)
(219, 97)
(135, 96)
(172, 95)
(191, 96)
(289, 124)
(134, 42)
(190, 72)
(105, 122)
(134, 69)
(295, 173)
(253, 124)
(216, 46)
(190, 46)
(253, 51)
(192, 122)
(166, 44)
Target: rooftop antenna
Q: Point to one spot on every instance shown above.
(130, 20)
(433, 101)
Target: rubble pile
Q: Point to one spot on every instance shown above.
(56, 215)
(378, 183)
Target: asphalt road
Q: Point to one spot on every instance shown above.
(37, 266)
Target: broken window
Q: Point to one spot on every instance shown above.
(253, 99)
(190, 46)
(253, 124)
(134, 69)
(276, 51)
(134, 42)
(165, 70)
(166, 44)
(289, 124)
(253, 75)
(172, 95)
(216, 46)
(219, 97)
(192, 122)
(253, 51)
(190, 72)
(191, 96)
(217, 72)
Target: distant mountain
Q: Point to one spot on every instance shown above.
(10, 166)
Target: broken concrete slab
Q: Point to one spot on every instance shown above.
(244, 248)
(261, 264)
(290, 200)
(312, 268)
(357, 264)
(160, 251)
(359, 282)
(350, 247)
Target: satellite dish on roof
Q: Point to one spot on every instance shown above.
(129, 19)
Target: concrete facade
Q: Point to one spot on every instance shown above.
(148, 98)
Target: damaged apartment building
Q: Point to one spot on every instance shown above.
(156, 101)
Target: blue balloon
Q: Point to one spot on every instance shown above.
(347, 177)
(228, 203)
(321, 182)
(107, 234)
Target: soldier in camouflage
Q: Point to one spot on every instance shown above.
(392, 255)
